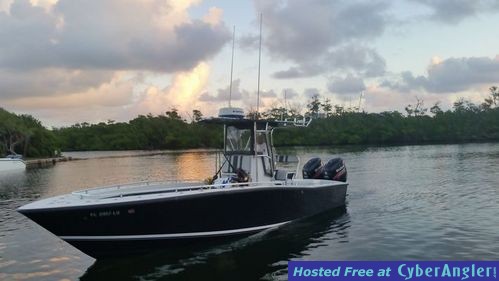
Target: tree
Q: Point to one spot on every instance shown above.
(23, 134)
(197, 115)
(493, 100)
(253, 114)
(295, 110)
(173, 114)
(435, 109)
(339, 110)
(12, 132)
(459, 105)
(327, 107)
(418, 109)
(276, 113)
(409, 110)
(314, 106)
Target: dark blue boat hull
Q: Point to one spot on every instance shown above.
(134, 227)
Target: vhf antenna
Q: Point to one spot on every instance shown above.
(232, 64)
(259, 63)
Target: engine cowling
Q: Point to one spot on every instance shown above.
(313, 169)
(335, 169)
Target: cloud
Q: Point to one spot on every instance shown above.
(301, 71)
(119, 35)
(357, 58)
(118, 92)
(299, 31)
(454, 11)
(313, 34)
(214, 16)
(50, 82)
(183, 93)
(290, 93)
(268, 94)
(380, 99)
(248, 42)
(347, 85)
(311, 92)
(223, 94)
(450, 76)
(90, 53)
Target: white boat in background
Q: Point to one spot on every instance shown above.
(12, 163)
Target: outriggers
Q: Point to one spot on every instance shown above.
(250, 194)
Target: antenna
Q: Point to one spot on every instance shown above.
(232, 63)
(360, 100)
(259, 63)
(285, 103)
(231, 112)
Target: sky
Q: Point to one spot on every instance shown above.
(73, 61)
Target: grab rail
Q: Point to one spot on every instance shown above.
(90, 193)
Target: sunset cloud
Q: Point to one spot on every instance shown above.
(117, 92)
(120, 35)
(223, 94)
(183, 93)
(68, 61)
(80, 53)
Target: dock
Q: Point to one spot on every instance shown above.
(46, 162)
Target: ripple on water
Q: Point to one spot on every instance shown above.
(436, 202)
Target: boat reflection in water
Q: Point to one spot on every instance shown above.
(263, 255)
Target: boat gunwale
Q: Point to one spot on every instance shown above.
(105, 203)
(109, 190)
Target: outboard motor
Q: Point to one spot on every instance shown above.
(336, 170)
(313, 169)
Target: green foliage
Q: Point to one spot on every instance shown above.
(197, 115)
(23, 134)
(327, 107)
(167, 131)
(314, 106)
(493, 100)
(465, 124)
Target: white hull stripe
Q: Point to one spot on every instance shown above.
(172, 235)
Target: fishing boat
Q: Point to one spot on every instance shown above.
(247, 194)
(12, 163)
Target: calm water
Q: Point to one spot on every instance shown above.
(404, 203)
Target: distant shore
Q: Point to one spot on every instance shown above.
(465, 123)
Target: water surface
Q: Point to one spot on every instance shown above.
(436, 202)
